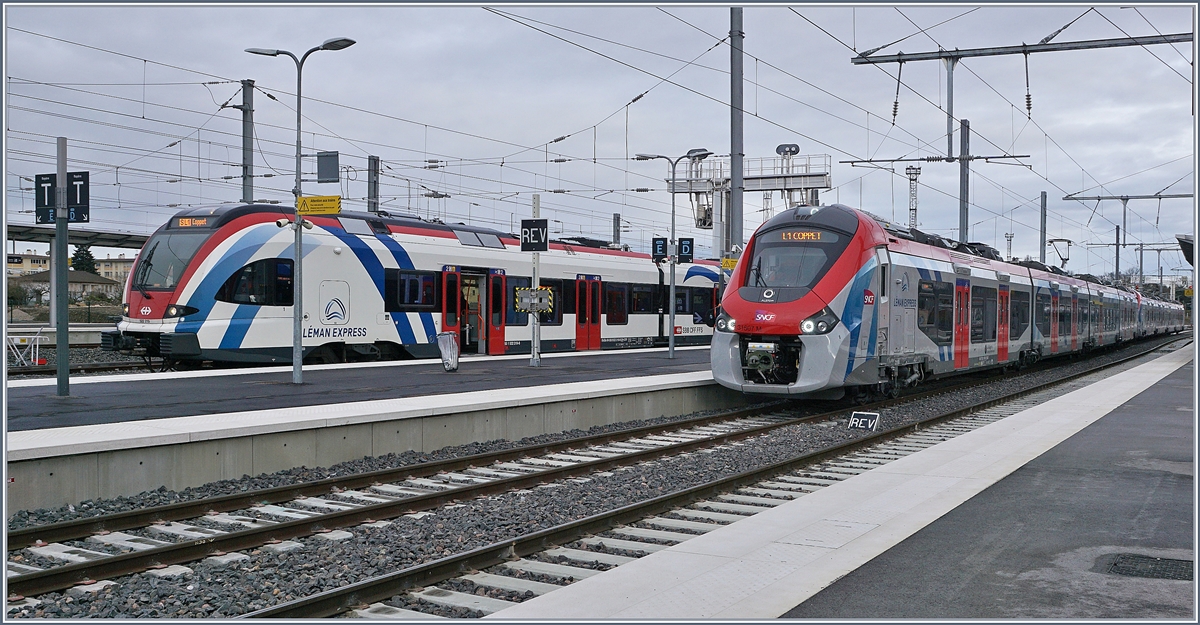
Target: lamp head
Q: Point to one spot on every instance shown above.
(698, 154)
(263, 51)
(337, 43)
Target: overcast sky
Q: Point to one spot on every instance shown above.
(137, 90)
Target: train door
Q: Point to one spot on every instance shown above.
(451, 299)
(587, 312)
(1055, 315)
(1002, 324)
(962, 323)
(472, 309)
(1074, 321)
(495, 318)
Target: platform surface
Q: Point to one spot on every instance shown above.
(33, 404)
(1039, 515)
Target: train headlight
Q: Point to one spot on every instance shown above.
(179, 310)
(125, 309)
(725, 323)
(820, 323)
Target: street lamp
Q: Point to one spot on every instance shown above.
(337, 43)
(697, 154)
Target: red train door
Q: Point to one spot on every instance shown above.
(587, 312)
(962, 323)
(451, 298)
(495, 317)
(1002, 321)
(1054, 314)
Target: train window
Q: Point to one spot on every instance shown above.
(983, 314)
(266, 282)
(1064, 317)
(452, 302)
(378, 227)
(935, 311)
(1018, 316)
(793, 258)
(468, 238)
(642, 299)
(616, 302)
(356, 226)
(581, 312)
(1041, 314)
(554, 317)
(702, 306)
(410, 291)
(164, 257)
(568, 295)
(496, 295)
(489, 240)
(595, 302)
(512, 316)
(681, 300)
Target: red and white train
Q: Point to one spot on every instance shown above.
(828, 299)
(215, 284)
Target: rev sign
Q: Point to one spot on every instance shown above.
(77, 197)
(535, 235)
(863, 421)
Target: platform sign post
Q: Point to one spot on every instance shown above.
(62, 327)
(535, 238)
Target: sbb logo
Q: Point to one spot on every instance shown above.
(868, 297)
(762, 315)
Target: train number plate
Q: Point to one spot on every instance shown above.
(761, 347)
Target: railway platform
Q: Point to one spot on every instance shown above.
(33, 405)
(122, 435)
(1074, 509)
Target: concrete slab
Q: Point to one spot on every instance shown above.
(92, 588)
(625, 545)
(127, 541)
(549, 568)
(226, 559)
(168, 572)
(65, 553)
(455, 599)
(384, 612)
(580, 555)
(513, 584)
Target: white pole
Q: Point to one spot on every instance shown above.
(535, 359)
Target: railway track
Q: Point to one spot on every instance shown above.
(93, 367)
(270, 519)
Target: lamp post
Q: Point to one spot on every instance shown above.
(338, 43)
(697, 154)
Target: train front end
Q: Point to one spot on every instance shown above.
(799, 316)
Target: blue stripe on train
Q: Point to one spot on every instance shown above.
(370, 262)
(404, 262)
(203, 298)
(852, 313)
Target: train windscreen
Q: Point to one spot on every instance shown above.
(164, 258)
(793, 257)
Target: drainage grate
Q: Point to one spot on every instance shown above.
(1135, 565)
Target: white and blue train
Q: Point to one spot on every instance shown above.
(216, 284)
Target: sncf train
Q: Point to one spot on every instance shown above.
(831, 299)
(215, 284)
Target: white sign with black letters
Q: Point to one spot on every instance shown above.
(863, 421)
